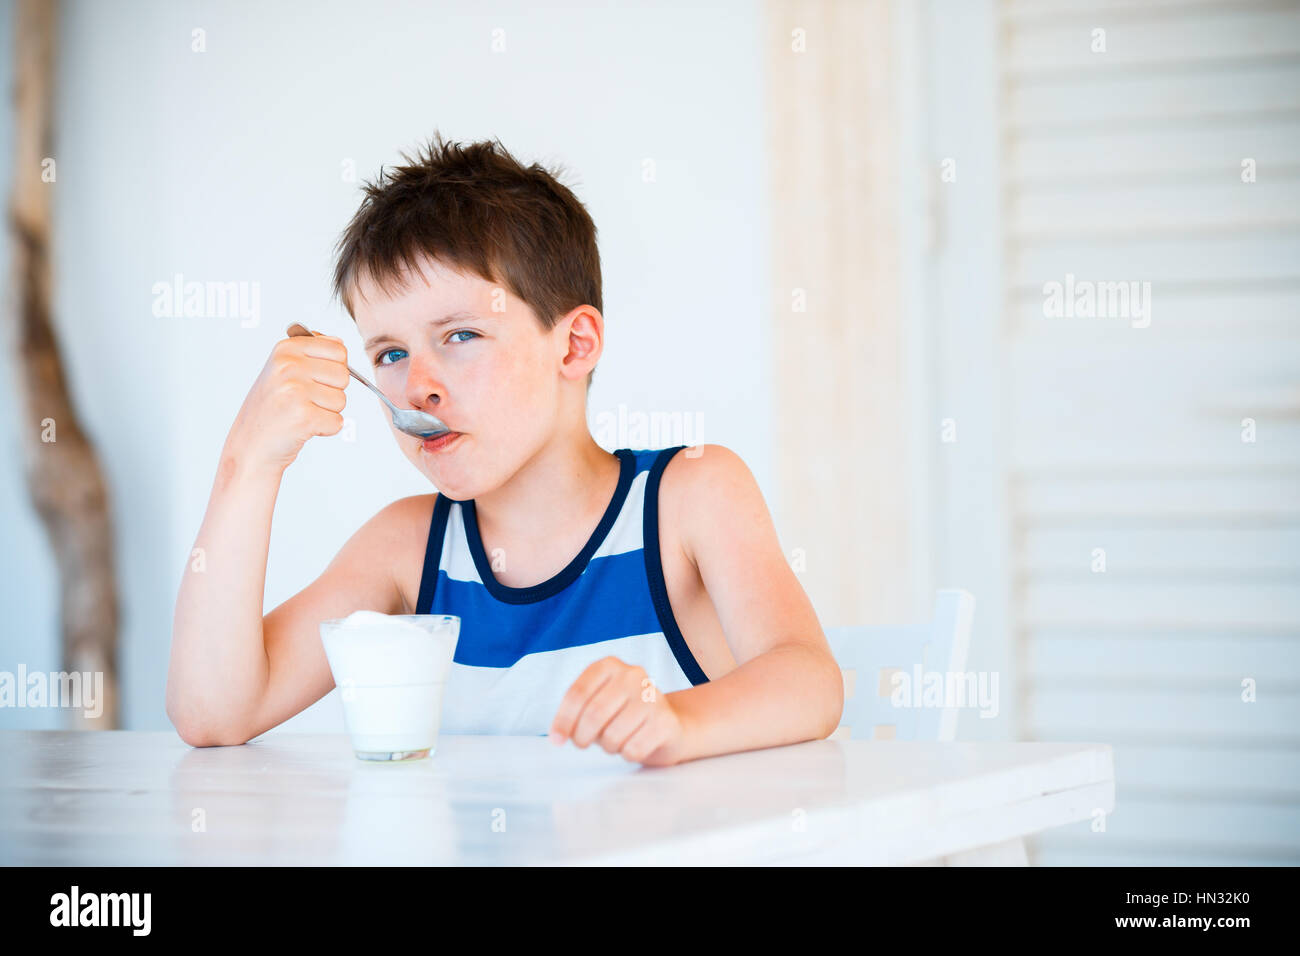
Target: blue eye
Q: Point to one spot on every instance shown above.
(379, 359)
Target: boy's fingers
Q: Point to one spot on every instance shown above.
(324, 346)
(576, 697)
(604, 706)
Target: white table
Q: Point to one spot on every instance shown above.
(97, 798)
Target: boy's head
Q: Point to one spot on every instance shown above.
(467, 231)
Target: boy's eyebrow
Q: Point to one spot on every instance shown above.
(437, 323)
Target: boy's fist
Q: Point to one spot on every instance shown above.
(617, 705)
(299, 393)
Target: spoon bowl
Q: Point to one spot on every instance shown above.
(411, 421)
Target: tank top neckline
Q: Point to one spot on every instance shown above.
(570, 573)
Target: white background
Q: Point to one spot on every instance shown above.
(227, 166)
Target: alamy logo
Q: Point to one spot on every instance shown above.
(179, 299)
(1086, 299)
(944, 689)
(656, 429)
(102, 909)
(53, 689)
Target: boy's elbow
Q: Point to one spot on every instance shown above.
(200, 733)
(831, 725)
(202, 737)
(833, 696)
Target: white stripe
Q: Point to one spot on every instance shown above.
(457, 560)
(625, 535)
(523, 699)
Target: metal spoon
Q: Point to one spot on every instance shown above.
(412, 421)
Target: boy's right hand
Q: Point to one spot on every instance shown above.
(299, 393)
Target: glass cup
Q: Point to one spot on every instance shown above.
(391, 670)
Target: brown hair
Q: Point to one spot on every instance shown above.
(479, 210)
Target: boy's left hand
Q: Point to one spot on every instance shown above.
(617, 705)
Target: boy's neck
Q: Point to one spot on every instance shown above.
(567, 484)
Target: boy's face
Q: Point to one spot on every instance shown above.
(491, 372)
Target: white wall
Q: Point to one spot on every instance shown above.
(226, 166)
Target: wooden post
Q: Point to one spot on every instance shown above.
(63, 474)
(839, 360)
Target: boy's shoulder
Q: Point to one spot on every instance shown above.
(713, 461)
(698, 467)
(704, 489)
(411, 504)
(404, 523)
(401, 534)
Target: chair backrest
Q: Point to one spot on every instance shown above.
(885, 671)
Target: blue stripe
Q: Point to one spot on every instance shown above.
(608, 600)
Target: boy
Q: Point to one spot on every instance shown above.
(638, 600)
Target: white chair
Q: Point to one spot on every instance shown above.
(869, 658)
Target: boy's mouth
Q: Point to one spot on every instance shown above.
(441, 442)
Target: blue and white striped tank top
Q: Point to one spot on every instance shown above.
(520, 649)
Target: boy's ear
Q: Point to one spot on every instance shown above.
(585, 339)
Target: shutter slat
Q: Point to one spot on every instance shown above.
(1206, 38)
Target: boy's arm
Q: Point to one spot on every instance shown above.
(232, 679)
(787, 686)
(219, 665)
(218, 662)
(359, 578)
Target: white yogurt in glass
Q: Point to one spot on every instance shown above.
(390, 670)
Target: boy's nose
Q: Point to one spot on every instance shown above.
(424, 386)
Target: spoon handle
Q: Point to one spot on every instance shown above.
(299, 329)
